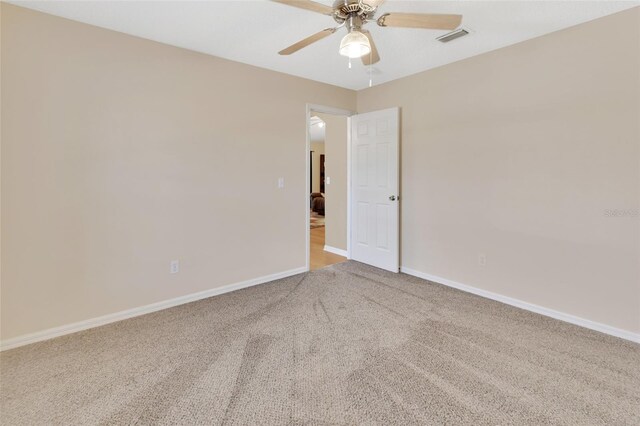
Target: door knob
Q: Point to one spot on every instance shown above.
(392, 197)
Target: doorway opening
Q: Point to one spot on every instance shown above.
(327, 203)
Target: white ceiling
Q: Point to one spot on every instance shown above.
(252, 31)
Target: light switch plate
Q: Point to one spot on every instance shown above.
(174, 267)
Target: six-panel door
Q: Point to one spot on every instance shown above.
(374, 189)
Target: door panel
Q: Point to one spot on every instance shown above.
(375, 187)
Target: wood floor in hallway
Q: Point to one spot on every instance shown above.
(318, 257)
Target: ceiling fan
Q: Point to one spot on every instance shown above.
(354, 14)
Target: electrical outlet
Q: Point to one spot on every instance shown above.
(281, 182)
(328, 180)
(174, 267)
(482, 259)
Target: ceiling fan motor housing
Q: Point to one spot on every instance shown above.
(345, 9)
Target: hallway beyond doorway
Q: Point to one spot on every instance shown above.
(320, 258)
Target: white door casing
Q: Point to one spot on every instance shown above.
(326, 110)
(375, 205)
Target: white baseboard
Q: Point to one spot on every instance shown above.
(603, 328)
(337, 251)
(142, 310)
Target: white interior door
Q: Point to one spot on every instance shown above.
(375, 223)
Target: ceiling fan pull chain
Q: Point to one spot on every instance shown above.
(370, 73)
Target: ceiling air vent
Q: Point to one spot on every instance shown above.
(453, 35)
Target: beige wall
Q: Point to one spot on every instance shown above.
(336, 168)
(120, 154)
(517, 154)
(318, 150)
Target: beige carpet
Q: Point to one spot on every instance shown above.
(348, 344)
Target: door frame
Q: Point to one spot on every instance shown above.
(307, 198)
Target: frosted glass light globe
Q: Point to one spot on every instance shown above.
(355, 45)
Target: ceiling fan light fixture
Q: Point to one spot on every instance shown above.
(355, 45)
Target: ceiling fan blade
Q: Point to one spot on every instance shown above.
(374, 56)
(420, 20)
(308, 5)
(307, 41)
